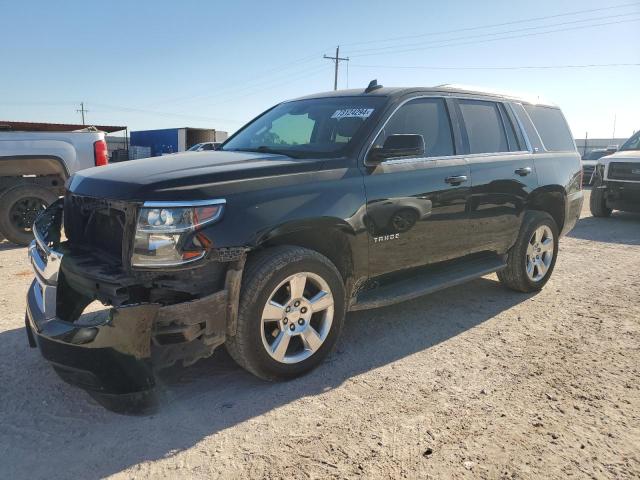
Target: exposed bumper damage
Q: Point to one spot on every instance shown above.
(154, 319)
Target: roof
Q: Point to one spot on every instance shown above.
(53, 127)
(446, 88)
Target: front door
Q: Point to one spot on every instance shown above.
(417, 207)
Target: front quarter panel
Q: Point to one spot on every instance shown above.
(260, 210)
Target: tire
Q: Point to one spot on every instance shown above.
(516, 275)
(597, 201)
(18, 209)
(265, 279)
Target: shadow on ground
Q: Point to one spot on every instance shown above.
(6, 245)
(613, 229)
(210, 396)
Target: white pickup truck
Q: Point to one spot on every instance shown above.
(33, 169)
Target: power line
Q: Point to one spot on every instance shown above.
(489, 34)
(255, 78)
(580, 27)
(518, 67)
(200, 117)
(164, 114)
(309, 73)
(336, 61)
(481, 27)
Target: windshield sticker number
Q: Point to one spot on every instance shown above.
(353, 113)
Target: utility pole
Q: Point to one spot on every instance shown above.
(586, 137)
(337, 60)
(613, 135)
(82, 111)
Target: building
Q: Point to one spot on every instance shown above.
(172, 140)
(586, 145)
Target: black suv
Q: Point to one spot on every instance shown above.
(330, 203)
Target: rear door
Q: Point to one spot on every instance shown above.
(502, 172)
(417, 206)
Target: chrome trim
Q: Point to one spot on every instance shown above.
(169, 264)
(444, 97)
(404, 160)
(48, 269)
(520, 126)
(46, 274)
(493, 154)
(184, 203)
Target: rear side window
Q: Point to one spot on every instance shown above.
(552, 127)
(484, 127)
(422, 116)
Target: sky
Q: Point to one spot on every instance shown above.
(162, 64)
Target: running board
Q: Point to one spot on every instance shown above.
(428, 281)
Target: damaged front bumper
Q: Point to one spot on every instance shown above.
(117, 353)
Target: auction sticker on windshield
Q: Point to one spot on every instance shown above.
(353, 113)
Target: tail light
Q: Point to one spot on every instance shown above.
(100, 153)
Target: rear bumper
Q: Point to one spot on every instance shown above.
(573, 210)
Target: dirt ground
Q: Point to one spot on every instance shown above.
(472, 382)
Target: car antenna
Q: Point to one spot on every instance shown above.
(373, 85)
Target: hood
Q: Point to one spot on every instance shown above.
(184, 176)
(621, 156)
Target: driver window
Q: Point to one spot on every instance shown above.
(422, 116)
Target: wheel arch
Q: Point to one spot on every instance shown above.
(40, 165)
(330, 237)
(551, 199)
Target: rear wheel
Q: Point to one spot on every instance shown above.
(531, 260)
(292, 308)
(597, 201)
(19, 208)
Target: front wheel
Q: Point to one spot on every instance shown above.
(531, 260)
(292, 307)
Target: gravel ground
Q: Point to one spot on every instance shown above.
(472, 382)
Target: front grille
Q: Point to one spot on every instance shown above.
(97, 223)
(624, 171)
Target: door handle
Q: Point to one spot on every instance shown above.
(524, 171)
(456, 179)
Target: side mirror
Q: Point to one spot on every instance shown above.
(396, 146)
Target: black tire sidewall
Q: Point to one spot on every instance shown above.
(257, 357)
(597, 201)
(8, 200)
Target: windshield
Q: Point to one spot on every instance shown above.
(195, 147)
(633, 143)
(308, 128)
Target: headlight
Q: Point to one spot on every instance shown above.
(164, 228)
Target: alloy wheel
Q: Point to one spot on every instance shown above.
(539, 253)
(297, 317)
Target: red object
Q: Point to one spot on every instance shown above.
(100, 153)
(191, 254)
